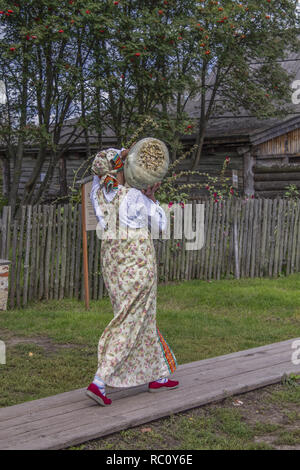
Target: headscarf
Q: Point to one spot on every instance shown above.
(106, 165)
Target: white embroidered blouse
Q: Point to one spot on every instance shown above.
(136, 210)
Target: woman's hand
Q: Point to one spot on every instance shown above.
(149, 192)
(125, 152)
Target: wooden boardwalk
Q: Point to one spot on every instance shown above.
(72, 418)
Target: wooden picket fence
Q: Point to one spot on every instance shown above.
(253, 238)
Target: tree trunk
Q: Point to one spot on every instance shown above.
(202, 120)
(20, 147)
(62, 167)
(6, 176)
(31, 184)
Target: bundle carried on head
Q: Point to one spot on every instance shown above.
(147, 163)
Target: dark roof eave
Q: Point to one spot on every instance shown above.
(220, 139)
(276, 130)
(215, 139)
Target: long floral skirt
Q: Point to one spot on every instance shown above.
(131, 350)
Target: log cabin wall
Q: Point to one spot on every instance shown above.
(277, 165)
(1, 181)
(54, 190)
(211, 162)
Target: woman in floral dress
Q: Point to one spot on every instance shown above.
(131, 350)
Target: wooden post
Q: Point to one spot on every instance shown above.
(85, 252)
(248, 163)
(236, 240)
(89, 222)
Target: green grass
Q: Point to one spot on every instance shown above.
(290, 438)
(199, 319)
(219, 430)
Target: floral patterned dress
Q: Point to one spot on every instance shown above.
(131, 350)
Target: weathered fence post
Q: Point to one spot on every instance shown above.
(236, 239)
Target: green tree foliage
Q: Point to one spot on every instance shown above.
(99, 65)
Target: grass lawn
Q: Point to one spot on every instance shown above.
(52, 346)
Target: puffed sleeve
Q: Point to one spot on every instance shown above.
(95, 203)
(137, 210)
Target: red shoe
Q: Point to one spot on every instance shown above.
(94, 393)
(159, 387)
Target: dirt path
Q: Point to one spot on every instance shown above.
(44, 342)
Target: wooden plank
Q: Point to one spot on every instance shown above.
(282, 236)
(230, 257)
(28, 247)
(192, 252)
(38, 252)
(13, 271)
(294, 236)
(286, 234)
(194, 379)
(42, 267)
(78, 419)
(53, 254)
(83, 433)
(221, 237)
(198, 253)
(272, 236)
(91, 258)
(96, 267)
(33, 253)
(268, 238)
(226, 236)
(167, 259)
(254, 236)
(298, 242)
(64, 398)
(69, 249)
(195, 252)
(258, 238)
(276, 176)
(78, 255)
(73, 251)
(208, 239)
(278, 238)
(48, 260)
(212, 242)
(19, 257)
(264, 231)
(249, 237)
(206, 371)
(63, 251)
(291, 212)
(216, 258)
(236, 238)
(276, 185)
(58, 253)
